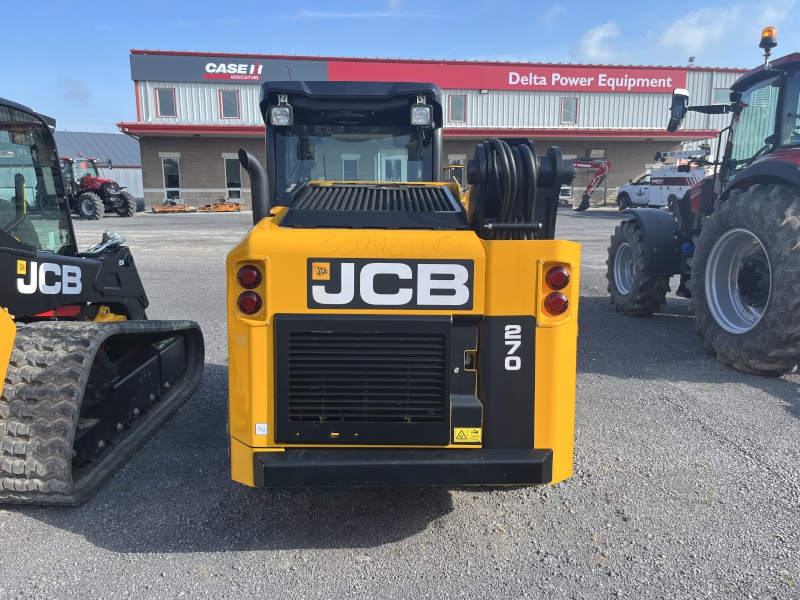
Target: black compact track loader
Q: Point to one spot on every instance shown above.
(87, 377)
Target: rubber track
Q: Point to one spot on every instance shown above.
(40, 405)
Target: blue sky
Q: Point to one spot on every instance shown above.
(73, 63)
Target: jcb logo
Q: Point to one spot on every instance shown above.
(48, 278)
(407, 284)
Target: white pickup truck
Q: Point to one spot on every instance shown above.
(657, 188)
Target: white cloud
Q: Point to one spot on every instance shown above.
(74, 89)
(713, 29)
(395, 5)
(551, 15)
(596, 45)
(693, 32)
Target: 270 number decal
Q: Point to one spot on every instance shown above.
(513, 339)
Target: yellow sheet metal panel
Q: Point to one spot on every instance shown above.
(515, 285)
(8, 331)
(556, 355)
(282, 255)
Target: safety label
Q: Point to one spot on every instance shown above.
(22, 267)
(468, 435)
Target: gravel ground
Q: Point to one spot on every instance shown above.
(685, 483)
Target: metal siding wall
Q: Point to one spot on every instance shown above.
(198, 103)
(127, 178)
(542, 110)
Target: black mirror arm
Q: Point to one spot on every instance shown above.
(714, 109)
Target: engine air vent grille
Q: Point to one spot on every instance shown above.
(367, 377)
(390, 198)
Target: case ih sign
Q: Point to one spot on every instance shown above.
(194, 67)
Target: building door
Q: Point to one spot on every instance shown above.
(392, 167)
(233, 178)
(172, 178)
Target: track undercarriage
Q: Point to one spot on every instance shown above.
(80, 398)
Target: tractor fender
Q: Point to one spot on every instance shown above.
(781, 167)
(662, 249)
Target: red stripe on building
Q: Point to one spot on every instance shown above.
(549, 134)
(525, 77)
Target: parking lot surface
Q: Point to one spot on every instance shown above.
(686, 477)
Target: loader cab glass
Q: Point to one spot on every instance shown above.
(754, 130)
(33, 211)
(352, 145)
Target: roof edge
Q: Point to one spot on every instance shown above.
(425, 60)
(259, 130)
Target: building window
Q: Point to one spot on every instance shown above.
(172, 178)
(350, 169)
(229, 104)
(166, 105)
(569, 111)
(233, 178)
(458, 109)
(722, 96)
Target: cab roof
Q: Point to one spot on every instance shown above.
(790, 62)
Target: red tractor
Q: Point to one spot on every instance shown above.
(734, 237)
(90, 195)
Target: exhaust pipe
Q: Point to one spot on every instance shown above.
(259, 184)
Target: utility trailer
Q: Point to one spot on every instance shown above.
(735, 236)
(388, 330)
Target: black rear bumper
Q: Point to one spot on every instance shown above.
(345, 467)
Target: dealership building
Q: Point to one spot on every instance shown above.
(195, 110)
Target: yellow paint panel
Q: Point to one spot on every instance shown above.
(8, 332)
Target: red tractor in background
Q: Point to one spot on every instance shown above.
(734, 238)
(90, 195)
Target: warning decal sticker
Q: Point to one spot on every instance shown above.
(467, 435)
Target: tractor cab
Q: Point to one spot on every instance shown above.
(762, 141)
(75, 169)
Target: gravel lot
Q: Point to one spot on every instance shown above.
(686, 482)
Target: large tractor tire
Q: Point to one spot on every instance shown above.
(746, 280)
(90, 206)
(634, 291)
(128, 207)
(623, 201)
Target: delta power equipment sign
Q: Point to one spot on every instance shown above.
(191, 67)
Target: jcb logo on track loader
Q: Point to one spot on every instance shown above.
(398, 284)
(48, 278)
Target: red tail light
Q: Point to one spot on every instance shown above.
(249, 303)
(249, 277)
(556, 303)
(557, 278)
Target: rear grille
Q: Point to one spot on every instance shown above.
(367, 377)
(376, 198)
